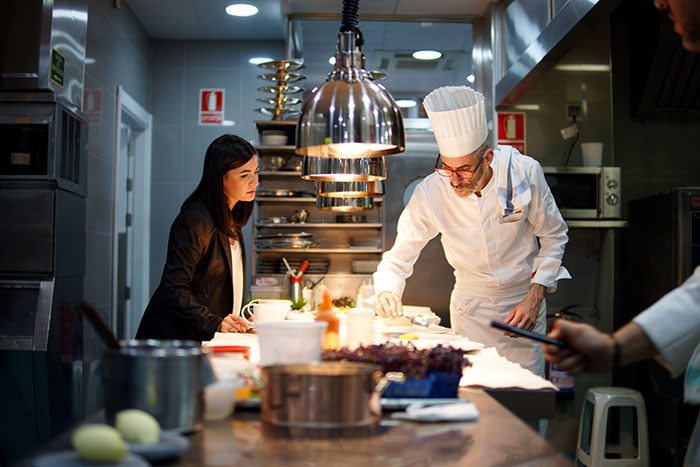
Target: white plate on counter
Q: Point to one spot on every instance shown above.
(71, 458)
(170, 445)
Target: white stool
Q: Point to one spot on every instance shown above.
(605, 440)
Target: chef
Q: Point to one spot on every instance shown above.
(501, 231)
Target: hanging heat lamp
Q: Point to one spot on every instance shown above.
(328, 169)
(350, 116)
(349, 189)
(344, 204)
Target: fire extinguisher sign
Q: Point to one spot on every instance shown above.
(211, 106)
(511, 130)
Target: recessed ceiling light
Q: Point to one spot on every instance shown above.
(241, 9)
(259, 60)
(406, 103)
(471, 78)
(427, 54)
(332, 60)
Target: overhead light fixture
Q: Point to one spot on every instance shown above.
(350, 115)
(241, 9)
(427, 54)
(471, 78)
(344, 204)
(349, 189)
(327, 169)
(258, 60)
(406, 103)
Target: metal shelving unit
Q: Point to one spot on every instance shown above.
(335, 241)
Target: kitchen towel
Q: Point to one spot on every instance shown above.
(451, 412)
(512, 185)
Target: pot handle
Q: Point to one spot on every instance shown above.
(251, 374)
(389, 377)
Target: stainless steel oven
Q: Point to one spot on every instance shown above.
(586, 192)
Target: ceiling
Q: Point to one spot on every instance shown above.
(391, 29)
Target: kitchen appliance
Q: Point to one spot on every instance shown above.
(664, 250)
(43, 183)
(586, 192)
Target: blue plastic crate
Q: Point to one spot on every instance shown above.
(436, 384)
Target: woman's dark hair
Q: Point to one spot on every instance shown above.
(223, 154)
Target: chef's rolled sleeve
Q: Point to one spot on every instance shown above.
(550, 229)
(673, 324)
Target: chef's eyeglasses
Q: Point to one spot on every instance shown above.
(464, 173)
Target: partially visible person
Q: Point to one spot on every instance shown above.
(669, 330)
(685, 15)
(203, 282)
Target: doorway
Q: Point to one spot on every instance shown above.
(131, 216)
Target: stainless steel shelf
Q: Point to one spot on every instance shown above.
(272, 148)
(321, 250)
(282, 199)
(280, 173)
(319, 225)
(285, 200)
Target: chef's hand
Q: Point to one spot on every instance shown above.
(388, 305)
(233, 323)
(524, 315)
(587, 348)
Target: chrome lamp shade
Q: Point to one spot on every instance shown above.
(350, 119)
(350, 115)
(349, 189)
(370, 169)
(344, 204)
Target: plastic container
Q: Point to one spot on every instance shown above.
(436, 384)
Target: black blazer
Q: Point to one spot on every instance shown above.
(195, 291)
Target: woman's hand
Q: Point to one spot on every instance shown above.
(234, 323)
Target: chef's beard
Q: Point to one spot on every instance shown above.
(467, 188)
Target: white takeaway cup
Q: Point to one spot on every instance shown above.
(266, 310)
(592, 154)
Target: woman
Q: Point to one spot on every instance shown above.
(201, 289)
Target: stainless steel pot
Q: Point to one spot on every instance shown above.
(163, 378)
(322, 395)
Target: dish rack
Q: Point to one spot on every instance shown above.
(279, 94)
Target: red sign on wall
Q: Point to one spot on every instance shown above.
(511, 129)
(92, 105)
(211, 106)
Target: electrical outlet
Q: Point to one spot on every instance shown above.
(574, 110)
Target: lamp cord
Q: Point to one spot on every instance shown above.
(571, 148)
(351, 18)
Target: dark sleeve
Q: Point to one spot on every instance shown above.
(190, 236)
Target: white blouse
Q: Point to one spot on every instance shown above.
(237, 276)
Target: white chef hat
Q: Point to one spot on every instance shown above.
(458, 119)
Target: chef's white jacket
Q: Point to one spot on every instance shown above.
(673, 326)
(495, 257)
